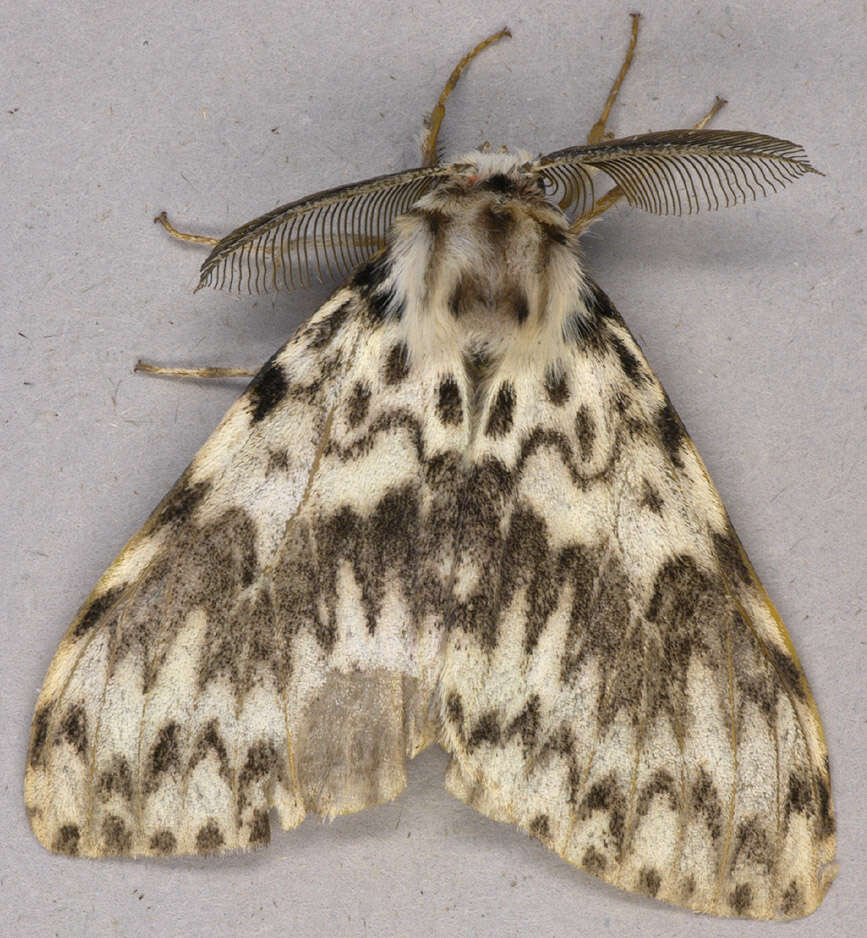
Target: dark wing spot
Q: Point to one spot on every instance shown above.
(502, 413)
(180, 503)
(260, 763)
(487, 730)
(356, 407)
(730, 555)
(116, 836)
(671, 431)
(66, 840)
(585, 430)
(164, 756)
(449, 408)
(593, 861)
(278, 461)
(650, 497)
(164, 842)
(527, 558)
(649, 881)
(95, 610)
(267, 390)
(578, 327)
(631, 367)
(753, 845)
(209, 837)
(706, 804)
(556, 387)
(526, 723)
(540, 827)
(455, 711)
(260, 829)
(661, 783)
(116, 779)
(741, 898)
(397, 364)
(789, 672)
(210, 741)
(793, 901)
(40, 731)
(606, 796)
(322, 332)
(598, 304)
(799, 799)
(826, 814)
(73, 728)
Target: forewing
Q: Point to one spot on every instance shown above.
(270, 637)
(617, 681)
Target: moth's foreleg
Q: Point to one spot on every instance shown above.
(162, 218)
(434, 121)
(597, 131)
(718, 104)
(197, 373)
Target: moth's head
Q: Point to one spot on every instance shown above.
(502, 175)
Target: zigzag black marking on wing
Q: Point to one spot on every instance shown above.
(560, 444)
(386, 422)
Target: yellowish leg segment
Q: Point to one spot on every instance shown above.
(718, 104)
(429, 147)
(198, 373)
(162, 218)
(597, 131)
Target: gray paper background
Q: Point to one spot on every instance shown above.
(216, 111)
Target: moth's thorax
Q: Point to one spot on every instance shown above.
(485, 261)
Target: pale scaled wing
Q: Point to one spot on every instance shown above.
(270, 638)
(617, 682)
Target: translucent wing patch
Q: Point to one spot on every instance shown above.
(319, 236)
(617, 682)
(678, 171)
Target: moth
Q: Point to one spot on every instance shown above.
(457, 507)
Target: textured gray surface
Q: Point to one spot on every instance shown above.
(753, 319)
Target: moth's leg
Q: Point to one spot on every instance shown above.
(615, 194)
(597, 131)
(432, 124)
(718, 104)
(162, 218)
(198, 373)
